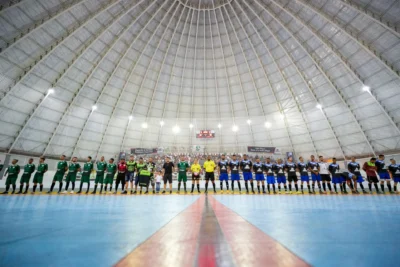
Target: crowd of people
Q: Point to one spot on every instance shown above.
(271, 176)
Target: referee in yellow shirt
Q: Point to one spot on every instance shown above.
(209, 166)
(196, 170)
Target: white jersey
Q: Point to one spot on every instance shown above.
(323, 168)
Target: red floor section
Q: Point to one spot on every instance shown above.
(173, 245)
(250, 246)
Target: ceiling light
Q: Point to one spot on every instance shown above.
(190, 126)
(51, 91)
(319, 106)
(219, 125)
(176, 129)
(130, 117)
(267, 125)
(162, 123)
(144, 125)
(366, 88)
(248, 122)
(235, 128)
(94, 107)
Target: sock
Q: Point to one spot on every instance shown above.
(52, 186)
(329, 187)
(221, 185)
(370, 186)
(376, 187)
(192, 188)
(285, 187)
(273, 186)
(123, 186)
(252, 186)
(198, 188)
(206, 186)
(88, 187)
(59, 189)
(297, 187)
(14, 187)
(95, 188)
(344, 186)
(233, 186)
(34, 188)
(21, 186)
(263, 188)
(351, 186)
(301, 187)
(101, 189)
(240, 187)
(279, 187)
(395, 188)
(116, 187)
(184, 186)
(319, 185)
(388, 185)
(362, 186)
(227, 185)
(383, 187)
(313, 187)
(258, 188)
(73, 186)
(179, 186)
(324, 186)
(246, 184)
(7, 187)
(41, 188)
(26, 188)
(341, 188)
(213, 185)
(66, 186)
(308, 186)
(335, 185)
(290, 187)
(80, 187)
(269, 188)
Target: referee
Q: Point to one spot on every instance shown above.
(209, 166)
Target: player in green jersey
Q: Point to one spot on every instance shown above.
(38, 178)
(183, 168)
(111, 170)
(139, 166)
(151, 167)
(101, 168)
(87, 170)
(26, 176)
(62, 167)
(73, 169)
(144, 178)
(130, 174)
(12, 175)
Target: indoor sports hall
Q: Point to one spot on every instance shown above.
(200, 133)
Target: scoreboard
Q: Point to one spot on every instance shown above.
(205, 134)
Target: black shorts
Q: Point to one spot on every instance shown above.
(120, 178)
(292, 178)
(195, 177)
(210, 176)
(168, 177)
(325, 177)
(372, 179)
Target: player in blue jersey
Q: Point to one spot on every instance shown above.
(334, 170)
(234, 166)
(223, 165)
(303, 169)
(354, 168)
(246, 167)
(279, 169)
(291, 168)
(394, 172)
(383, 173)
(259, 171)
(313, 167)
(269, 170)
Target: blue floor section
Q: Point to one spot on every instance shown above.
(80, 230)
(328, 230)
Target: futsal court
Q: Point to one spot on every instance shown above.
(200, 230)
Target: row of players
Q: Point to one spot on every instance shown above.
(142, 173)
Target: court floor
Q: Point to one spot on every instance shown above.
(183, 230)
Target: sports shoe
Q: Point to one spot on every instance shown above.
(264, 192)
(72, 192)
(298, 193)
(19, 192)
(215, 192)
(185, 192)
(163, 192)
(64, 192)
(391, 192)
(5, 193)
(288, 192)
(146, 192)
(154, 191)
(170, 192)
(93, 193)
(79, 192)
(253, 192)
(124, 193)
(365, 192)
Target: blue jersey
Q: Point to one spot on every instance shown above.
(313, 166)
(246, 165)
(291, 168)
(234, 166)
(223, 166)
(395, 170)
(354, 168)
(258, 168)
(380, 166)
(269, 168)
(302, 168)
(334, 169)
(279, 169)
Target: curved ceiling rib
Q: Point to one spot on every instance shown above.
(326, 76)
(385, 24)
(8, 4)
(75, 98)
(42, 58)
(280, 72)
(340, 57)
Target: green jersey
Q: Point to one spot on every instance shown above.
(139, 166)
(88, 167)
(111, 168)
(182, 167)
(73, 167)
(145, 173)
(151, 166)
(130, 166)
(29, 169)
(101, 167)
(13, 169)
(61, 167)
(42, 168)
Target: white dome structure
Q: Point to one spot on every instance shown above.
(96, 77)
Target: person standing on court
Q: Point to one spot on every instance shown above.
(167, 173)
(73, 170)
(87, 170)
(62, 167)
(209, 166)
(324, 173)
(183, 168)
(101, 168)
(121, 175)
(12, 175)
(196, 169)
(130, 174)
(38, 178)
(26, 176)
(223, 165)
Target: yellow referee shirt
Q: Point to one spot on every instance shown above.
(196, 168)
(209, 166)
